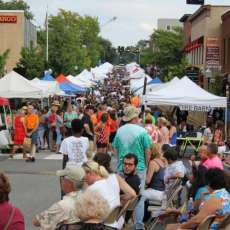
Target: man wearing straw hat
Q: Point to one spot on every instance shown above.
(132, 138)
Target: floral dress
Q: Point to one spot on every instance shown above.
(224, 195)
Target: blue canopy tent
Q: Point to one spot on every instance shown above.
(48, 77)
(69, 88)
(156, 80)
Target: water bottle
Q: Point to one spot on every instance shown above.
(190, 205)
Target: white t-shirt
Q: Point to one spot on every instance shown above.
(109, 189)
(76, 149)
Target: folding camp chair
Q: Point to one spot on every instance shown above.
(205, 224)
(225, 224)
(172, 201)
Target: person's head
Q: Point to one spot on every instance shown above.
(89, 110)
(155, 151)
(30, 109)
(94, 172)
(104, 117)
(212, 149)
(103, 159)
(203, 152)
(164, 148)
(77, 126)
(91, 205)
(148, 119)
(215, 179)
(59, 112)
(171, 155)
(23, 111)
(54, 108)
(69, 108)
(209, 124)
(73, 178)
(220, 125)
(131, 114)
(161, 122)
(112, 114)
(130, 162)
(5, 188)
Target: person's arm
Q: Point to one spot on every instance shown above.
(36, 126)
(125, 188)
(64, 161)
(147, 156)
(151, 169)
(209, 208)
(87, 129)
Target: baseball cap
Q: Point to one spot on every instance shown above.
(74, 172)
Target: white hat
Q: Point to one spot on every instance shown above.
(74, 172)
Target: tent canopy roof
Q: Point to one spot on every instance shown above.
(185, 92)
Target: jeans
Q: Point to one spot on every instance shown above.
(140, 208)
(59, 136)
(41, 142)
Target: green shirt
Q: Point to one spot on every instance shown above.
(68, 117)
(132, 138)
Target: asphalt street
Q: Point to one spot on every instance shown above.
(34, 185)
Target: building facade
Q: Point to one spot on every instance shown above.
(168, 24)
(225, 58)
(202, 36)
(16, 32)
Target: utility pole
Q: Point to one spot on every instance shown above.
(47, 36)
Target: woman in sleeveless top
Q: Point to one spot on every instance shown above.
(155, 176)
(19, 131)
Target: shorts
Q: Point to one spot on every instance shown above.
(111, 137)
(34, 137)
(102, 145)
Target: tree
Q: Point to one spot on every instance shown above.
(3, 59)
(165, 51)
(73, 42)
(31, 63)
(17, 5)
(107, 51)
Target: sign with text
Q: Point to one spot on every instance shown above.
(212, 53)
(8, 19)
(198, 108)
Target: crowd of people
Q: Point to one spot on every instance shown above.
(115, 152)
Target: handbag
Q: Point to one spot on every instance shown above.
(10, 218)
(27, 144)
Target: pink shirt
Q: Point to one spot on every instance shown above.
(17, 222)
(214, 162)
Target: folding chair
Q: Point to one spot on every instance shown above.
(172, 201)
(225, 224)
(113, 216)
(205, 224)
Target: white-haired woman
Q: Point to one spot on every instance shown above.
(92, 209)
(108, 185)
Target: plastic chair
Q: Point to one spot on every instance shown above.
(113, 216)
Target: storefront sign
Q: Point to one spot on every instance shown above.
(195, 108)
(8, 19)
(213, 53)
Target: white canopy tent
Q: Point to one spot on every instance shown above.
(13, 85)
(185, 92)
(49, 88)
(188, 96)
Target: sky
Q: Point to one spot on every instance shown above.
(136, 19)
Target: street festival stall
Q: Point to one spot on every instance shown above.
(5, 122)
(187, 96)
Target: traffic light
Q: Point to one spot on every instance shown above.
(195, 2)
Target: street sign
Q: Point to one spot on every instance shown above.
(195, 2)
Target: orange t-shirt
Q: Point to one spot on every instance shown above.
(31, 121)
(135, 101)
(94, 119)
(113, 125)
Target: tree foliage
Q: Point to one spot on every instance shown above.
(3, 59)
(17, 5)
(74, 43)
(31, 63)
(165, 51)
